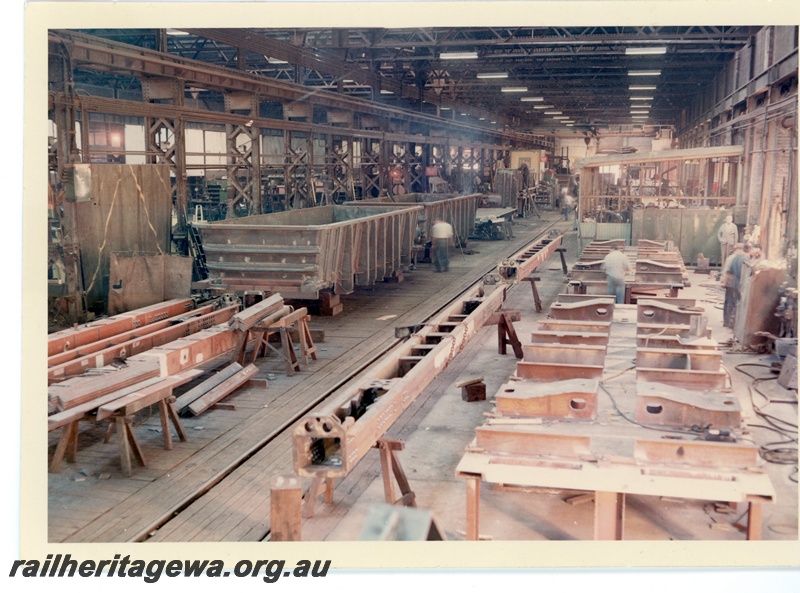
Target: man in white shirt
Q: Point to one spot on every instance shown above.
(616, 264)
(442, 234)
(728, 236)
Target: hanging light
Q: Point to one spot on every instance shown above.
(645, 51)
(458, 55)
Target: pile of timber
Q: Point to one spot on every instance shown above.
(148, 377)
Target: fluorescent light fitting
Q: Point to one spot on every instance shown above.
(645, 51)
(276, 61)
(569, 125)
(492, 75)
(642, 87)
(444, 109)
(560, 117)
(532, 99)
(644, 72)
(482, 118)
(492, 122)
(514, 89)
(458, 55)
(176, 32)
(639, 112)
(641, 106)
(552, 113)
(641, 98)
(463, 113)
(543, 106)
(639, 117)
(385, 92)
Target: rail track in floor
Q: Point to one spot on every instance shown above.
(218, 493)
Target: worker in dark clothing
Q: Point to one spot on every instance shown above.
(731, 279)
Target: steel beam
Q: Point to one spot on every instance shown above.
(331, 442)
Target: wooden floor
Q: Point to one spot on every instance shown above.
(215, 486)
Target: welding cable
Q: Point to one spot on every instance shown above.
(619, 374)
(649, 427)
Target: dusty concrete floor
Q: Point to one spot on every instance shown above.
(434, 449)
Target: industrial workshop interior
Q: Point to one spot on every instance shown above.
(484, 284)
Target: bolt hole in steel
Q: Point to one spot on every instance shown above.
(309, 427)
(577, 403)
(510, 390)
(648, 313)
(326, 427)
(654, 409)
(602, 311)
(728, 402)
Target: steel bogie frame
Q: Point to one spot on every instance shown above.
(330, 442)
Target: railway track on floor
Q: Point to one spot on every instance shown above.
(167, 508)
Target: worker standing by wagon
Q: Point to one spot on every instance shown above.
(442, 235)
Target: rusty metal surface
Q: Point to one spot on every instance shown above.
(756, 311)
(300, 252)
(331, 441)
(698, 454)
(549, 371)
(681, 359)
(135, 345)
(590, 310)
(688, 379)
(571, 399)
(523, 263)
(661, 312)
(140, 280)
(564, 353)
(518, 440)
(569, 337)
(106, 328)
(672, 406)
